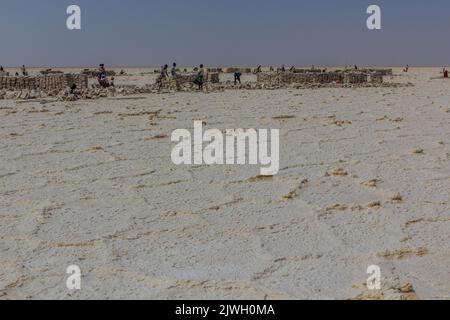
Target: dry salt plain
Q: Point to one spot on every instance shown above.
(364, 180)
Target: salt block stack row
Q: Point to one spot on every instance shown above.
(189, 78)
(355, 78)
(215, 70)
(242, 70)
(94, 73)
(307, 71)
(44, 82)
(382, 72)
(274, 78)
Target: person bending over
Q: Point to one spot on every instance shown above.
(237, 76)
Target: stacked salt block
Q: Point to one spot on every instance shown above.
(383, 72)
(241, 70)
(215, 70)
(376, 77)
(312, 78)
(44, 82)
(109, 73)
(264, 77)
(330, 77)
(306, 70)
(355, 78)
(286, 78)
(213, 77)
(183, 81)
(189, 78)
(50, 71)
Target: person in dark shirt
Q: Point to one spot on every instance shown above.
(173, 71)
(237, 76)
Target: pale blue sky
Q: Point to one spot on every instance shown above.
(219, 32)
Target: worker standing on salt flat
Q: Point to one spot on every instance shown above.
(164, 71)
(200, 77)
(174, 74)
(24, 71)
(173, 71)
(101, 70)
(164, 74)
(237, 76)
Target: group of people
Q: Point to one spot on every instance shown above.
(165, 71)
(22, 69)
(201, 75)
(199, 79)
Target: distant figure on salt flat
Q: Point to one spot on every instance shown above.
(165, 71)
(1, 69)
(406, 69)
(101, 70)
(24, 71)
(356, 67)
(164, 74)
(173, 71)
(283, 68)
(237, 76)
(200, 77)
(444, 73)
(101, 76)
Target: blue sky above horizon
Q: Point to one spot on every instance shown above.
(233, 32)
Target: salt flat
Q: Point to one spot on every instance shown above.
(364, 180)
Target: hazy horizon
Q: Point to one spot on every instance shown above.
(216, 66)
(138, 33)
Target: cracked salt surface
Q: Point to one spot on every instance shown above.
(91, 183)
